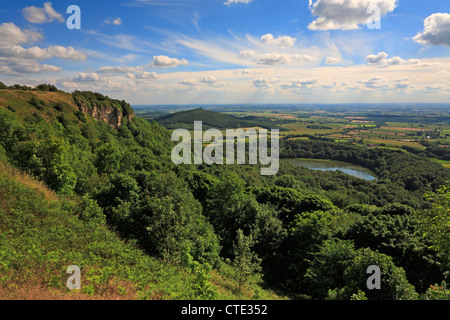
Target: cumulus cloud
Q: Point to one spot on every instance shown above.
(436, 30)
(237, 1)
(374, 83)
(212, 82)
(345, 14)
(115, 21)
(245, 54)
(10, 34)
(265, 82)
(144, 75)
(166, 62)
(36, 53)
(209, 79)
(380, 60)
(68, 53)
(299, 84)
(331, 61)
(22, 67)
(42, 15)
(376, 59)
(87, 77)
(18, 60)
(188, 82)
(280, 41)
(378, 83)
(275, 58)
(119, 70)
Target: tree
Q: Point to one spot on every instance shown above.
(245, 261)
(160, 213)
(109, 158)
(397, 235)
(435, 222)
(48, 160)
(394, 284)
(305, 236)
(327, 269)
(229, 207)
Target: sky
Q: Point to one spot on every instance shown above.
(157, 52)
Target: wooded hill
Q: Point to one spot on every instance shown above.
(212, 119)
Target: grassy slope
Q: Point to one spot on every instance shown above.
(19, 101)
(40, 236)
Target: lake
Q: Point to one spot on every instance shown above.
(331, 165)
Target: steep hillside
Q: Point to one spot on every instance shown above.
(77, 190)
(41, 234)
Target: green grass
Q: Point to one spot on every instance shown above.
(445, 163)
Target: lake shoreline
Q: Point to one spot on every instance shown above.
(334, 165)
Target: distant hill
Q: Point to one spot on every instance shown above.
(212, 119)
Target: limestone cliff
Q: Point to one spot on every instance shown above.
(103, 108)
(110, 115)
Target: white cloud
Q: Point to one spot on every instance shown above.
(245, 54)
(188, 82)
(331, 61)
(280, 41)
(299, 84)
(119, 70)
(17, 60)
(36, 53)
(41, 15)
(126, 58)
(384, 84)
(275, 58)
(123, 41)
(380, 60)
(345, 14)
(115, 21)
(436, 30)
(209, 79)
(10, 34)
(212, 82)
(166, 62)
(376, 59)
(374, 83)
(68, 53)
(87, 77)
(265, 82)
(144, 75)
(237, 1)
(23, 67)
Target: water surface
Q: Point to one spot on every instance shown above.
(331, 165)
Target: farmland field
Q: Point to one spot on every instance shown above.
(394, 127)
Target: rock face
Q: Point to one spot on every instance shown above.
(110, 115)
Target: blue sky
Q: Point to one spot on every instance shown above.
(232, 51)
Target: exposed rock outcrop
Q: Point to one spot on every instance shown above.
(110, 115)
